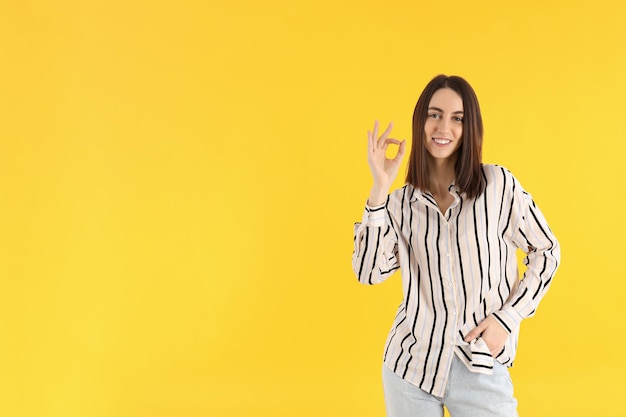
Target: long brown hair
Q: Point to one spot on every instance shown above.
(469, 177)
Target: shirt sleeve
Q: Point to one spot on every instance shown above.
(375, 256)
(534, 237)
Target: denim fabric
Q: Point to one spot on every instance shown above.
(467, 394)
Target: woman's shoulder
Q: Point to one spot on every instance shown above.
(499, 178)
(402, 192)
(402, 195)
(495, 172)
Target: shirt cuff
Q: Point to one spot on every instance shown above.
(374, 216)
(508, 317)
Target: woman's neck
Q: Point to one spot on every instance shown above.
(441, 174)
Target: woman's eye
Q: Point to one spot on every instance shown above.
(458, 119)
(434, 115)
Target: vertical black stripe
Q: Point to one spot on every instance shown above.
(504, 257)
(375, 255)
(511, 209)
(432, 298)
(407, 297)
(418, 296)
(478, 251)
(443, 295)
(486, 237)
(401, 309)
(460, 257)
(363, 253)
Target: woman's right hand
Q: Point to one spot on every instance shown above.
(384, 170)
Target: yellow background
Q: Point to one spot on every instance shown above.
(179, 180)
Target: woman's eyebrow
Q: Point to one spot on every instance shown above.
(441, 111)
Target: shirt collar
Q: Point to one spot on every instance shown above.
(418, 194)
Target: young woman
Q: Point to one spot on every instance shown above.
(452, 231)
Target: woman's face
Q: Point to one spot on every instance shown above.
(444, 124)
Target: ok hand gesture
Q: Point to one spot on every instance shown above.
(384, 170)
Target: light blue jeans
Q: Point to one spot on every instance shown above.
(467, 394)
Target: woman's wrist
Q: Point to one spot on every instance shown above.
(378, 196)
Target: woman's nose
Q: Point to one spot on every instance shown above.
(443, 126)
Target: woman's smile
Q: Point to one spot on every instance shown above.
(442, 141)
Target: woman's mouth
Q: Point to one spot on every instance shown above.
(441, 141)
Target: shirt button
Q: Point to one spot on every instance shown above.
(447, 254)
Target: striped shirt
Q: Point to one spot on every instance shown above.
(457, 268)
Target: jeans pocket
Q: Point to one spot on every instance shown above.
(481, 355)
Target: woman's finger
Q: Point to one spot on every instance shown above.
(401, 150)
(393, 140)
(375, 131)
(386, 133)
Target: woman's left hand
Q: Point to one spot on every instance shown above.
(493, 334)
